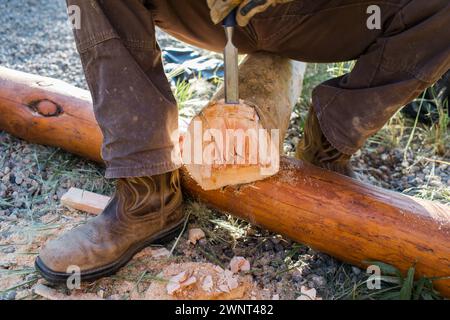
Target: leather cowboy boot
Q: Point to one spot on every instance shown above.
(143, 211)
(315, 149)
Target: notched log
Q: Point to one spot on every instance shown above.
(243, 142)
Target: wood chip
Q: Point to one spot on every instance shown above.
(224, 288)
(84, 201)
(160, 253)
(180, 281)
(308, 294)
(195, 235)
(239, 264)
(208, 283)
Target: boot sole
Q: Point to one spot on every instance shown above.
(90, 275)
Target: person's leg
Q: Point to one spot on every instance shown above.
(412, 53)
(138, 116)
(133, 102)
(395, 63)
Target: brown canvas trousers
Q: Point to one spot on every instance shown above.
(138, 113)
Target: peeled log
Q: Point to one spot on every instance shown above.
(48, 111)
(242, 143)
(347, 219)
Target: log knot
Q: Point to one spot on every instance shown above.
(46, 108)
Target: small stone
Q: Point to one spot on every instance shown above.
(10, 295)
(279, 248)
(356, 270)
(381, 149)
(297, 275)
(10, 249)
(7, 264)
(6, 178)
(268, 246)
(18, 180)
(101, 293)
(435, 183)
(318, 281)
(275, 240)
(414, 169)
(30, 277)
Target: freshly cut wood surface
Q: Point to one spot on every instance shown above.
(226, 138)
(269, 87)
(350, 220)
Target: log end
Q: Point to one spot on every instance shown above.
(226, 144)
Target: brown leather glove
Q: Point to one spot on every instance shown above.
(247, 9)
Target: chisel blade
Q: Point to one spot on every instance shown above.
(231, 69)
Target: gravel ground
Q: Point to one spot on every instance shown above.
(36, 38)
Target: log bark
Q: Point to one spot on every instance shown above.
(242, 143)
(352, 221)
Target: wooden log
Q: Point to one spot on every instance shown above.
(242, 143)
(352, 221)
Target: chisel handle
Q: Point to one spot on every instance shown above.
(230, 20)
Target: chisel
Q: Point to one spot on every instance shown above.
(231, 61)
